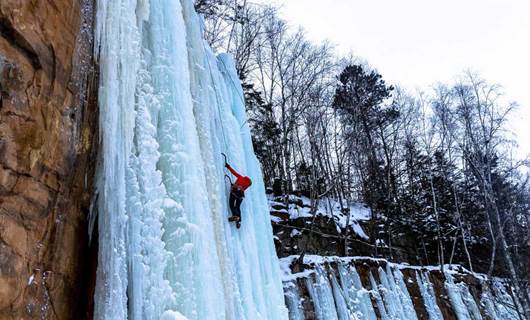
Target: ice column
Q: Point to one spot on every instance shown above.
(463, 303)
(343, 312)
(293, 301)
(168, 108)
(321, 294)
(357, 297)
(378, 299)
(428, 295)
(498, 302)
(395, 295)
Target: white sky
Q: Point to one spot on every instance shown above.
(416, 43)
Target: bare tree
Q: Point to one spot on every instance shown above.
(484, 115)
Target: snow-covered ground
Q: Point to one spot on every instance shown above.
(300, 207)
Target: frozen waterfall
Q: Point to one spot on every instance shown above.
(428, 295)
(358, 298)
(321, 294)
(463, 303)
(168, 109)
(335, 291)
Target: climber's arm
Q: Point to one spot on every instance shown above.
(234, 172)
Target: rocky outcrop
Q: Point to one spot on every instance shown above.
(324, 235)
(48, 126)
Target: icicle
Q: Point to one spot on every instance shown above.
(463, 303)
(358, 298)
(429, 296)
(322, 295)
(293, 301)
(378, 299)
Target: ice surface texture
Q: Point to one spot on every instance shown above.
(168, 108)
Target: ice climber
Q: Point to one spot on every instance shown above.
(237, 193)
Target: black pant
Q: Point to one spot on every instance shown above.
(236, 197)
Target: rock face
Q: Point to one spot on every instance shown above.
(48, 121)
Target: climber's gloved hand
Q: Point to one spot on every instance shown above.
(227, 165)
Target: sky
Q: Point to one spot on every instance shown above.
(416, 43)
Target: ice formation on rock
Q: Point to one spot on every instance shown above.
(168, 109)
(428, 295)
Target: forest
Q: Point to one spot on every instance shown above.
(440, 164)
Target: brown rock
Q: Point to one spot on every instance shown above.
(48, 121)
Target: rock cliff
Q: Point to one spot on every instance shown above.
(48, 126)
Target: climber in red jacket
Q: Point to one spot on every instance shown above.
(237, 193)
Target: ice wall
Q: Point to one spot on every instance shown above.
(333, 289)
(168, 109)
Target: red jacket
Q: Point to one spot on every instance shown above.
(242, 182)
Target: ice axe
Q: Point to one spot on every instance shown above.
(227, 176)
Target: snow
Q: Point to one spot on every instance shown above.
(300, 207)
(295, 233)
(172, 315)
(331, 208)
(287, 275)
(168, 108)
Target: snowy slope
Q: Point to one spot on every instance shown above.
(168, 108)
(299, 207)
